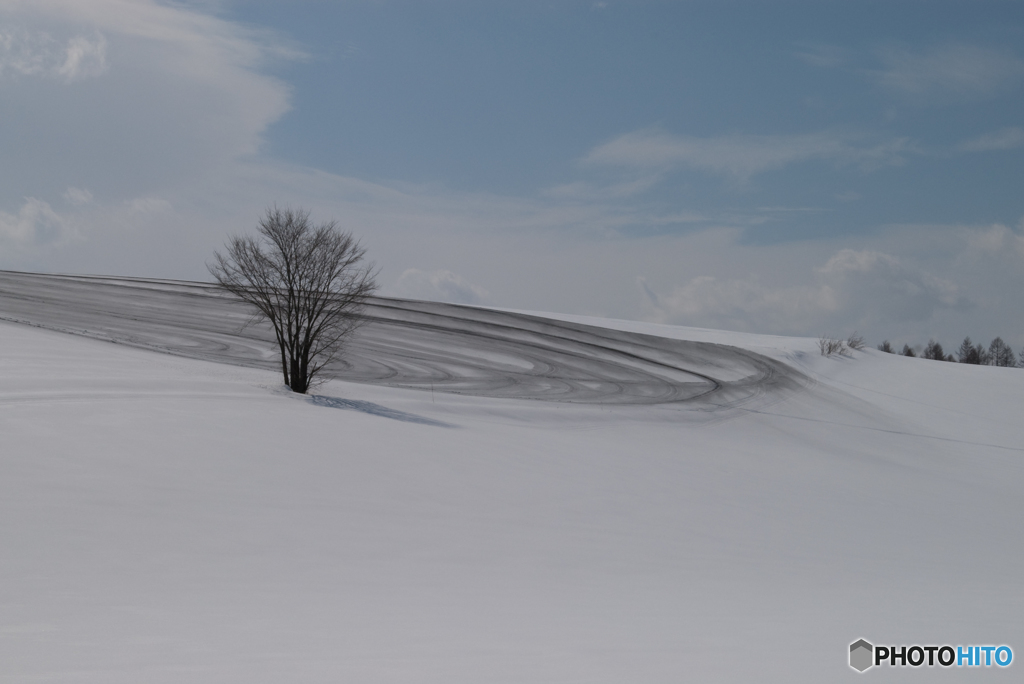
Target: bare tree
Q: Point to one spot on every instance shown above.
(886, 347)
(968, 353)
(934, 351)
(307, 280)
(976, 354)
(829, 346)
(1000, 354)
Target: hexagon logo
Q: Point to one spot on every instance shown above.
(861, 653)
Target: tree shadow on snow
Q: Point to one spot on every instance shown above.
(374, 410)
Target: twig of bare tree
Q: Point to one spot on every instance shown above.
(830, 346)
(307, 281)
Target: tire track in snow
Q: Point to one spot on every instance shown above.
(411, 344)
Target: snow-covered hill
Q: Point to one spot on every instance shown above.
(170, 519)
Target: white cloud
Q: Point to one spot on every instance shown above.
(148, 205)
(84, 58)
(26, 53)
(854, 289)
(950, 69)
(996, 243)
(874, 285)
(742, 156)
(182, 93)
(439, 286)
(738, 304)
(581, 190)
(36, 223)
(77, 196)
(819, 55)
(1004, 139)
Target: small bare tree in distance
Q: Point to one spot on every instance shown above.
(829, 346)
(307, 280)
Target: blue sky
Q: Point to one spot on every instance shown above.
(510, 98)
(793, 168)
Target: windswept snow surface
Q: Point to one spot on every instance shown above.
(168, 519)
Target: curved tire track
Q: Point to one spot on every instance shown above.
(411, 344)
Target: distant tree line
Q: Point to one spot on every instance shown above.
(998, 353)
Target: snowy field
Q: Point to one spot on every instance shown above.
(665, 505)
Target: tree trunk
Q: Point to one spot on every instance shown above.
(299, 381)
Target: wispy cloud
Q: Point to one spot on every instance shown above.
(77, 196)
(949, 70)
(580, 190)
(743, 156)
(1004, 139)
(25, 53)
(438, 286)
(953, 70)
(821, 55)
